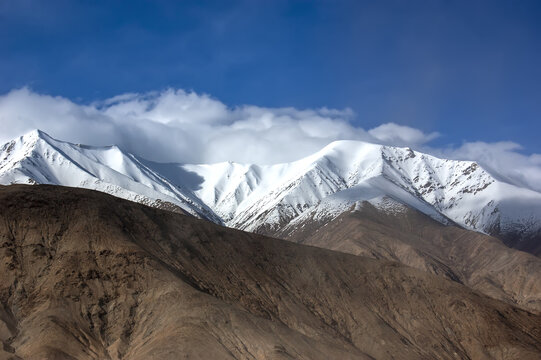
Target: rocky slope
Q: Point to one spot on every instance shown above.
(403, 234)
(268, 198)
(89, 276)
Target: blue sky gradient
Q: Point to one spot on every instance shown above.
(469, 70)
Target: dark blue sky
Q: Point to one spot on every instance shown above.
(468, 69)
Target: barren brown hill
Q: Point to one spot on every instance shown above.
(89, 276)
(408, 236)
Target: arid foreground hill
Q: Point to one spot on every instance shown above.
(85, 275)
(408, 236)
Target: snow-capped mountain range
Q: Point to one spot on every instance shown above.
(268, 198)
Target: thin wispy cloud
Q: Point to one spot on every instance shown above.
(187, 127)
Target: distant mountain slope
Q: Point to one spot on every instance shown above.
(268, 198)
(89, 276)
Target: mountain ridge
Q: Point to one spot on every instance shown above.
(36, 157)
(267, 198)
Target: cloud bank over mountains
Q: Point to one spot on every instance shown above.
(179, 126)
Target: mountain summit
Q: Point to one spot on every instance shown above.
(273, 198)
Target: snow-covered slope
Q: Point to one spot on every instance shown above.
(346, 172)
(270, 198)
(37, 158)
(254, 197)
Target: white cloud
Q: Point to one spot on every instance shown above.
(180, 126)
(175, 125)
(401, 135)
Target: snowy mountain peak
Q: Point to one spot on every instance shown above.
(343, 173)
(34, 135)
(268, 198)
(38, 158)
